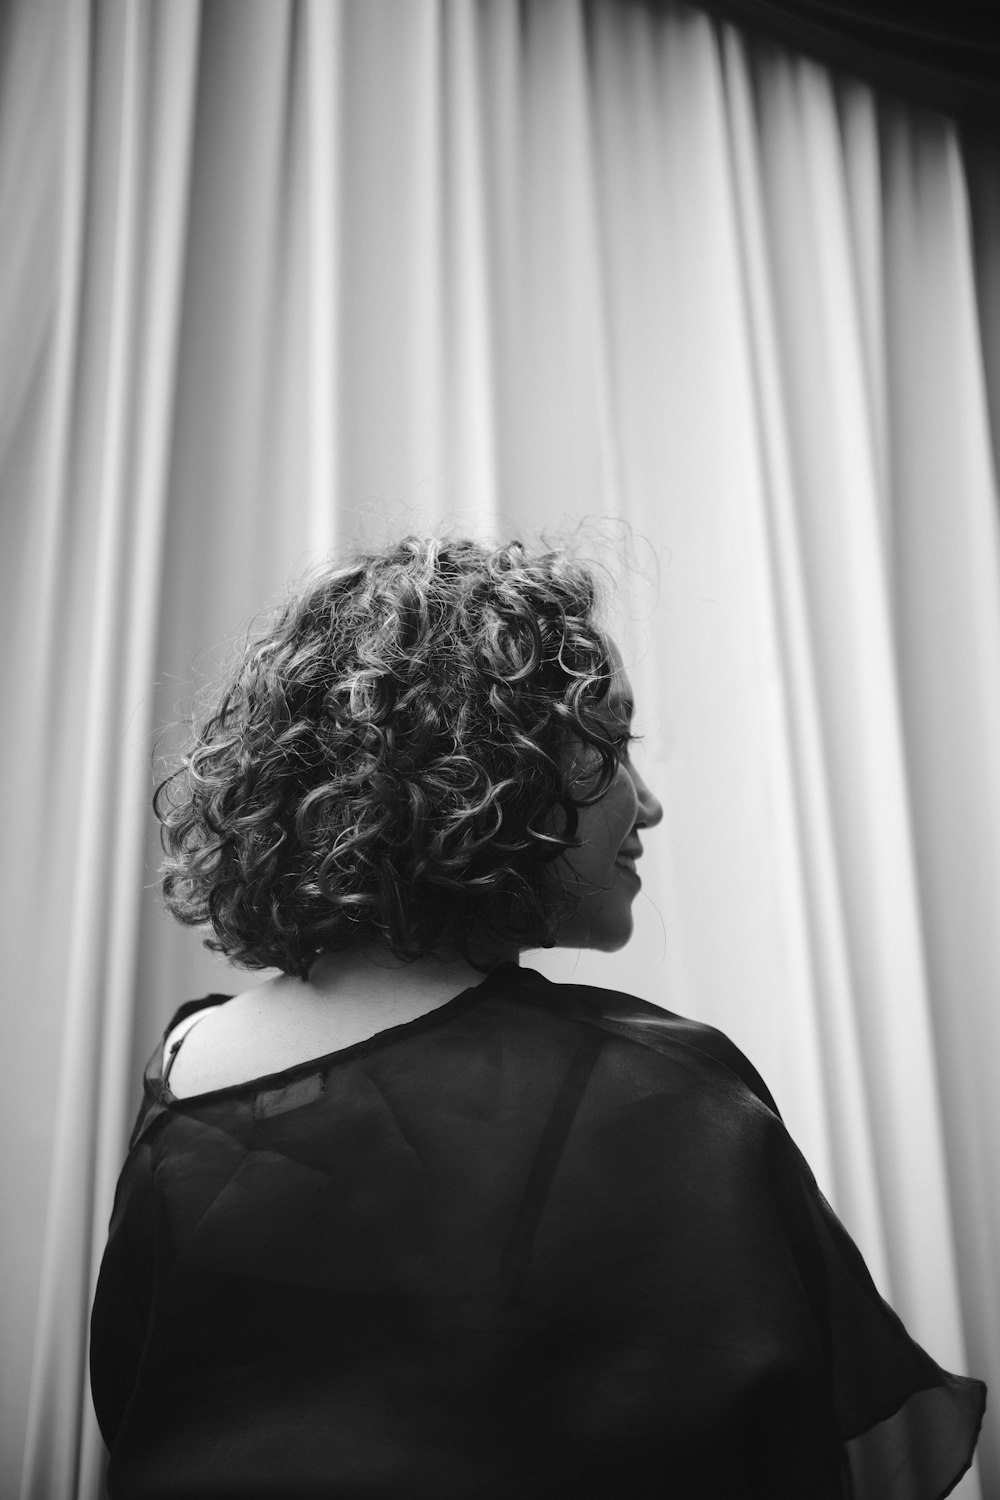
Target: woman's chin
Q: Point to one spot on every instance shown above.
(605, 932)
(611, 944)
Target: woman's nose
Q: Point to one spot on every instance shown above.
(650, 807)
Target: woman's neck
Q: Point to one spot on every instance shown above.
(374, 974)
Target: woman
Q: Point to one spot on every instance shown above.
(410, 1220)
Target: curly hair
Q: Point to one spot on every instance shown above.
(384, 764)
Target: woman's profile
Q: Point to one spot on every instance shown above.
(408, 1219)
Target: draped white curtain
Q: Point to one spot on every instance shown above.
(282, 277)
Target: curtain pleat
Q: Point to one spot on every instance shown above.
(286, 277)
(857, 869)
(800, 814)
(116, 473)
(946, 599)
(42, 211)
(315, 93)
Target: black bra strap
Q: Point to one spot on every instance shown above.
(175, 1047)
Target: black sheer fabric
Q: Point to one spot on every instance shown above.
(546, 1241)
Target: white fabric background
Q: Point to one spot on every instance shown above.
(279, 278)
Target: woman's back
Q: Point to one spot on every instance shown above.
(543, 1240)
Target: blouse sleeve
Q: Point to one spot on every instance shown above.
(908, 1427)
(120, 1313)
(683, 1210)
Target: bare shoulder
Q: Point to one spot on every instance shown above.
(284, 1021)
(257, 1032)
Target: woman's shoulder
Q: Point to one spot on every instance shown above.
(175, 1052)
(208, 1046)
(282, 1024)
(651, 1026)
(220, 1041)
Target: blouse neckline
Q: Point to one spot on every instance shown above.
(508, 970)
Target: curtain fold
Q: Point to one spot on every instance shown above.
(285, 277)
(946, 596)
(105, 512)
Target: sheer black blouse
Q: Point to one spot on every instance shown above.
(546, 1241)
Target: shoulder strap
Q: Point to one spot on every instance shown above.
(174, 1039)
